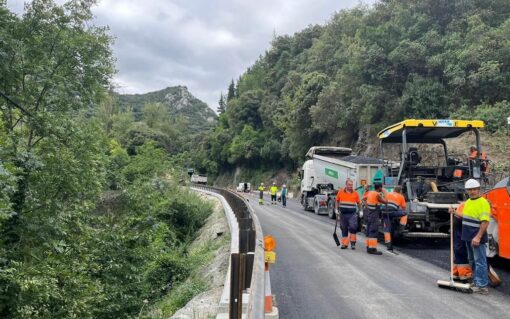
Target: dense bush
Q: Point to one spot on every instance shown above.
(92, 220)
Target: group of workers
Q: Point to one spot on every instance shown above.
(373, 204)
(470, 226)
(273, 190)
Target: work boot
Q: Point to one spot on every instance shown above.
(373, 251)
(343, 247)
(389, 246)
(480, 290)
(353, 245)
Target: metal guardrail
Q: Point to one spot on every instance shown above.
(242, 262)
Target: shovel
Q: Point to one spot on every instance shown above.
(335, 236)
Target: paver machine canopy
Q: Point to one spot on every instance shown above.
(429, 188)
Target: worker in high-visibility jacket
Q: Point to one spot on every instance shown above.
(273, 189)
(347, 206)
(395, 208)
(475, 221)
(374, 200)
(461, 268)
(261, 193)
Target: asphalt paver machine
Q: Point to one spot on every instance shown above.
(432, 179)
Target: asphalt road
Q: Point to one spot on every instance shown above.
(313, 278)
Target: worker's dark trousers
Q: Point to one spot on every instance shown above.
(348, 224)
(372, 230)
(388, 216)
(284, 201)
(461, 268)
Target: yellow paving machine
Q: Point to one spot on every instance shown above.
(416, 157)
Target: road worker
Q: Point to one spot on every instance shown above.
(395, 208)
(283, 193)
(461, 268)
(475, 220)
(374, 200)
(261, 193)
(273, 189)
(473, 154)
(347, 204)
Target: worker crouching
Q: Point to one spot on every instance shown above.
(347, 205)
(394, 209)
(374, 200)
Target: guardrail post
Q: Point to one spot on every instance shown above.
(236, 303)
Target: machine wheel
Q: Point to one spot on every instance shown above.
(331, 210)
(303, 201)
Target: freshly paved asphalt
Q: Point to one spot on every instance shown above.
(313, 278)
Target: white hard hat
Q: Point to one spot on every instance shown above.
(261, 183)
(284, 185)
(274, 183)
(472, 183)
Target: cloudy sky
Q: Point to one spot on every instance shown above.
(201, 44)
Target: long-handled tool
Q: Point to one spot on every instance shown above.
(450, 284)
(335, 236)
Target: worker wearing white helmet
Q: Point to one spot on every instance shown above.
(273, 189)
(476, 217)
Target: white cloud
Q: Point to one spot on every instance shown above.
(199, 44)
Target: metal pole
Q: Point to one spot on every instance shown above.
(235, 299)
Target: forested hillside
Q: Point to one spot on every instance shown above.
(368, 67)
(171, 117)
(175, 102)
(92, 221)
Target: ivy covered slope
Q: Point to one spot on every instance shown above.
(92, 221)
(366, 68)
(179, 103)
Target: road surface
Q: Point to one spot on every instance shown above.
(313, 278)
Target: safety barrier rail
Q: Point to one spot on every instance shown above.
(245, 279)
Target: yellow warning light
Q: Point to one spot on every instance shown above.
(269, 243)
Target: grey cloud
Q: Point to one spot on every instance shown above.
(199, 44)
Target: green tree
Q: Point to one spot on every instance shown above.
(231, 93)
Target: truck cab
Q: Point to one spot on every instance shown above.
(326, 169)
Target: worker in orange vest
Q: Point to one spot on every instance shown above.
(395, 208)
(484, 163)
(347, 204)
(374, 200)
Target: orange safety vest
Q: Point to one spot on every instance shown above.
(373, 200)
(475, 153)
(347, 201)
(396, 201)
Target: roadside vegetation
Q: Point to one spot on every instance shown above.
(93, 223)
(367, 68)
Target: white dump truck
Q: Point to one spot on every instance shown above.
(199, 179)
(326, 169)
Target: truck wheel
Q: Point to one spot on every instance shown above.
(331, 210)
(315, 208)
(303, 201)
